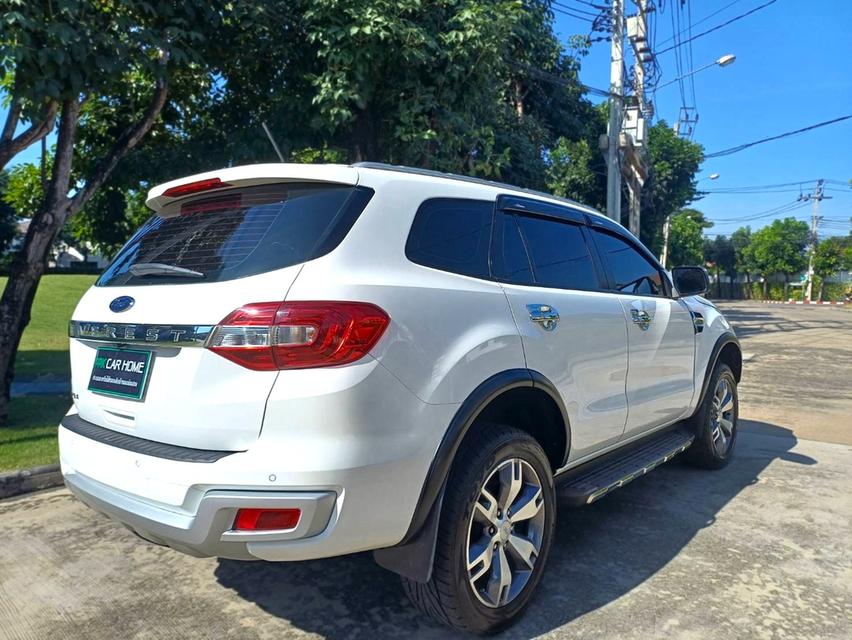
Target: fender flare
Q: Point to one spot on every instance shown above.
(413, 556)
(722, 341)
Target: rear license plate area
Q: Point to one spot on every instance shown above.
(122, 373)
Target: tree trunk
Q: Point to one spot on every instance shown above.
(718, 283)
(786, 287)
(748, 282)
(819, 295)
(765, 288)
(30, 262)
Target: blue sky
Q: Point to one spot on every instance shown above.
(793, 69)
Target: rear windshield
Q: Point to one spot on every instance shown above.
(238, 233)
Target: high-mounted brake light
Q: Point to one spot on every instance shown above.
(267, 336)
(266, 519)
(195, 187)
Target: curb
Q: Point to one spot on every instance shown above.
(15, 483)
(824, 303)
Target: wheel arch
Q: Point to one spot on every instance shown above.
(726, 349)
(526, 398)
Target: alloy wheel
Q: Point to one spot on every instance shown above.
(505, 533)
(722, 417)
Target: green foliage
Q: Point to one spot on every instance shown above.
(780, 247)
(743, 257)
(721, 253)
(671, 181)
(685, 243)
(24, 190)
(832, 255)
(65, 48)
(8, 222)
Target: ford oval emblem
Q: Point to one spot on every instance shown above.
(121, 303)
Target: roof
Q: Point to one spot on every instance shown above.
(461, 178)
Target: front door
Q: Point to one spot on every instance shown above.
(572, 333)
(661, 337)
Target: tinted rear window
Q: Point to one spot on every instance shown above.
(239, 233)
(556, 251)
(452, 234)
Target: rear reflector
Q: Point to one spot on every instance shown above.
(267, 336)
(266, 519)
(195, 187)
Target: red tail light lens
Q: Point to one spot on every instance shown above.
(266, 336)
(266, 519)
(195, 187)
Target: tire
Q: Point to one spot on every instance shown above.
(488, 460)
(714, 439)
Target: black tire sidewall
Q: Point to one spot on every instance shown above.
(705, 435)
(481, 617)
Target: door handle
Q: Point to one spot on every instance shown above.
(545, 315)
(641, 317)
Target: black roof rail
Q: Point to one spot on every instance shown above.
(488, 183)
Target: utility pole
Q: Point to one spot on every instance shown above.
(616, 89)
(817, 196)
(665, 255)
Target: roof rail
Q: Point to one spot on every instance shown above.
(455, 176)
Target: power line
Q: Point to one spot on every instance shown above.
(717, 27)
(784, 208)
(741, 147)
(704, 19)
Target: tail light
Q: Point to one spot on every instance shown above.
(266, 519)
(267, 336)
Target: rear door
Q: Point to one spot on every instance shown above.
(661, 334)
(572, 333)
(138, 360)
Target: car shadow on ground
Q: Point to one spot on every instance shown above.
(748, 322)
(600, 553)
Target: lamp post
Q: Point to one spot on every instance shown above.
(666, 225)
(723, 61)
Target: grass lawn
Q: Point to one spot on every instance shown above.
(44, 345)
(30, 438)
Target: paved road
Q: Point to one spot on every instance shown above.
(760, 550)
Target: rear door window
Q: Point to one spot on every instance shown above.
(546, 252)
(452, 234)
(238, 233)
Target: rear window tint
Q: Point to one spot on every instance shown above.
(238, 233)
(452, 234)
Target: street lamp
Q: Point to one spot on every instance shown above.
(724, 61)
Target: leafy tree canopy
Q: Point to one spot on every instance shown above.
(685, 243)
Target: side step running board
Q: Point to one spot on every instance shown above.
(588, 484)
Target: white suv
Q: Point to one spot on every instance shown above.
(301, 361)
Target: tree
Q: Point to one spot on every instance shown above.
(674, 162)
(80, 56)
(831, 256)
(685, 244)
(8, 218)
(720, 253)
(780, 248)
(743, 259)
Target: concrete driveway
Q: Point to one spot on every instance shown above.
(762, 549)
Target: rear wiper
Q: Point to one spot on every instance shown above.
(160, 269)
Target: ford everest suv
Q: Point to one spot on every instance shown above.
(290, 362)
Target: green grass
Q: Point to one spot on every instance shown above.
(30, 438)
(44, 345)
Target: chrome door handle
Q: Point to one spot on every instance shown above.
(545, 315)
(641, 317)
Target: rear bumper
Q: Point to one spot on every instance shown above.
(208, 531)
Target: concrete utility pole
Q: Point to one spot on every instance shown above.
(616, 100)
(817, 196)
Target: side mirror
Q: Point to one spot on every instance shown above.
(690, 281)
